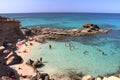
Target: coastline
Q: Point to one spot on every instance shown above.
(38, 35)
(58, 76)
(30, 70)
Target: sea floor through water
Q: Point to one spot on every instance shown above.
(90, 55)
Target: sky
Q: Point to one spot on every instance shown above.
(26, 6)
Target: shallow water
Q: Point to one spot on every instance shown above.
(62, 59)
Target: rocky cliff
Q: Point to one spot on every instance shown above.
(9, 29)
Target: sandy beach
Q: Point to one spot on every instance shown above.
(24, 51)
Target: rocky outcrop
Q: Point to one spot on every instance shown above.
(9, 29)
(13, 58)
(40, 34)
(34, 64)
(92, 28)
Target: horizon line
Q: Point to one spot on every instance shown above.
(60, 12)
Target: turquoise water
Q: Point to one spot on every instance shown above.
(68, 20)
(61, 59)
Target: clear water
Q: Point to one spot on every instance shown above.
(61, 58)
(68, 20)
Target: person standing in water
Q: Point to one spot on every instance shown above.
(85, 52)
(50, 47)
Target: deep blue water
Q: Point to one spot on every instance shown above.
(68, 20)
(61, 57)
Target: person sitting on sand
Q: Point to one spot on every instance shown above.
(20, 68)
(25, 51)
(31, 43)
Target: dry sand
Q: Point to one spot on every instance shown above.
(23, 68)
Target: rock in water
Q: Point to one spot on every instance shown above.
(91, 26)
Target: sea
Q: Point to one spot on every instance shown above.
(95, 54)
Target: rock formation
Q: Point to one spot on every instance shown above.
(40, 34)
(34, 64)
(9, 29)
(13, 59)
(92, 28)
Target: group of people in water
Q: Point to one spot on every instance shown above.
(72, 47)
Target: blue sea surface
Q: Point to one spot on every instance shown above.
(102, 51)
(68, 20)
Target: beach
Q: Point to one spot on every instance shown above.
(21, 68)
(67, 53)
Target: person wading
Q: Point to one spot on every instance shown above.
(50, 47)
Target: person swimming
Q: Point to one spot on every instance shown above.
(85, 52)
(98, 49)
(103, 53)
